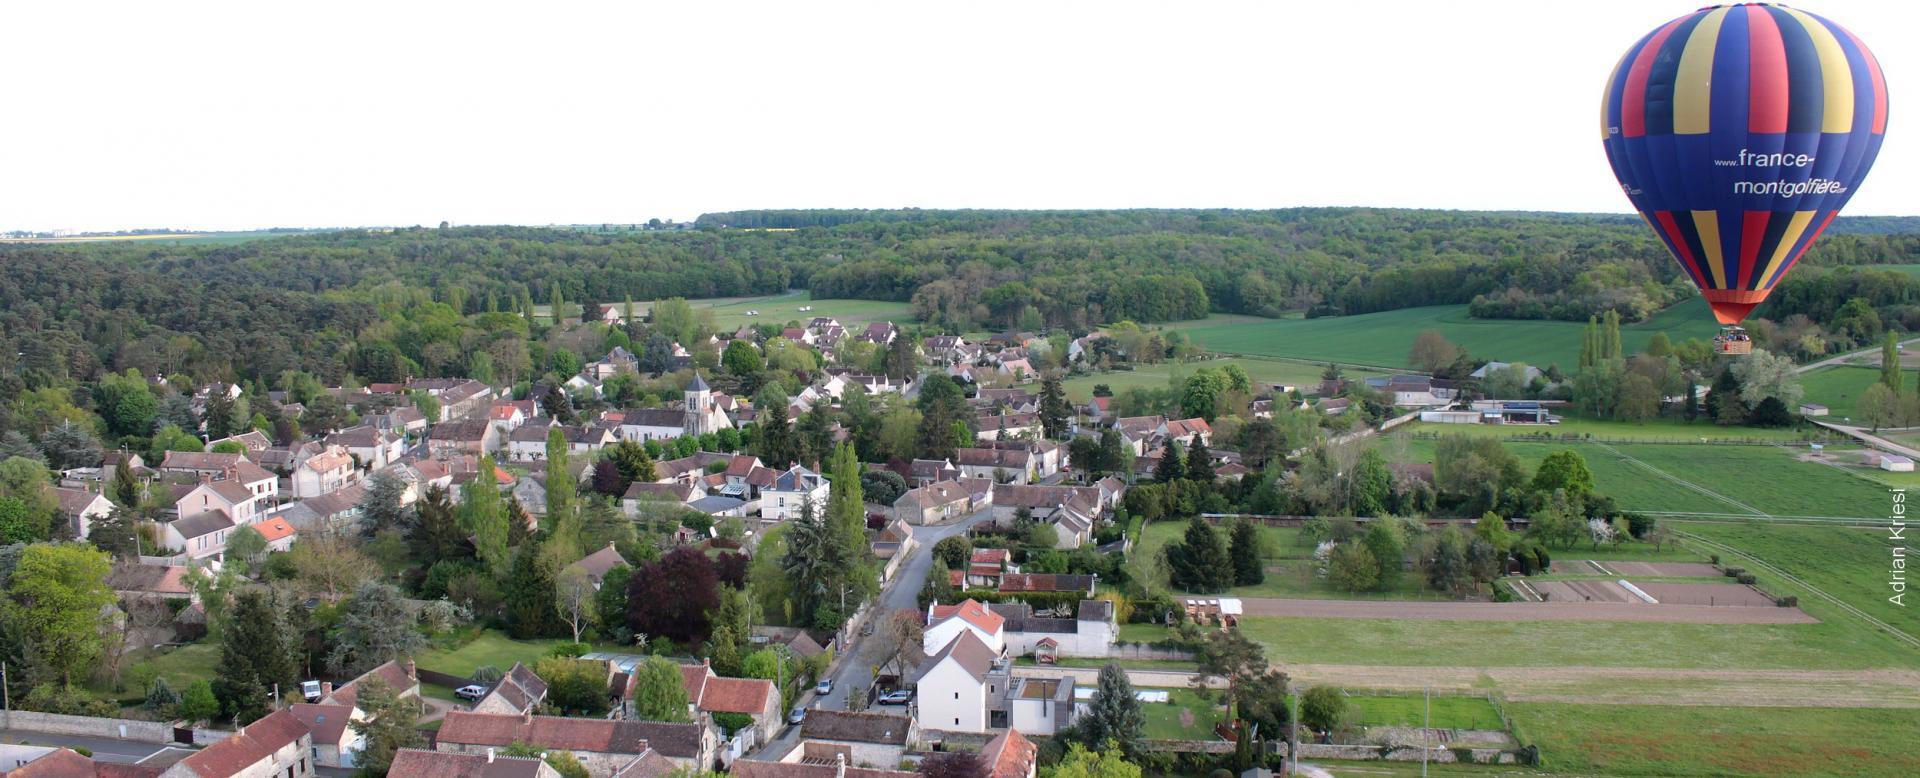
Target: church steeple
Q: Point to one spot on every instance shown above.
(699, 401)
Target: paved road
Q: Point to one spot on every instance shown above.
(1842, 358)
(854, 672)
(104, 749)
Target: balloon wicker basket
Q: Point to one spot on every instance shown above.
(1733, 340)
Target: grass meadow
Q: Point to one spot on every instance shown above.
(1383, 339)
(1651, 740)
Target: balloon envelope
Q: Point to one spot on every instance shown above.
(1739, 132)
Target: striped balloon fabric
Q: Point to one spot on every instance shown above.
(1739, 132)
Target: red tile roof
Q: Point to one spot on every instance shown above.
(694, 679)
(420, 763)
(736, 695)
(253, 744)
(274, 529)
(1009, 755)
(972, 612)
(327, 722)
(492, 729)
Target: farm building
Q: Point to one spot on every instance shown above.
(1896, 464)
(1813, 409)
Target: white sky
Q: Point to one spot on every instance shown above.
(245, 115)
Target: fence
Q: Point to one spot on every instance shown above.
(436, 678)
(1517, 523)
(90, 726)
(1572, 438)
(1146, 651)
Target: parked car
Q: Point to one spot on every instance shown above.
(797, 715)
(472, 691)
(825, 686)
(753, 313)
(898, 697)
(310, 690)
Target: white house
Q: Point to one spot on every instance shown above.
(972, 617)
(1012, 465)
(958, 683)
(82, 508)
(644, 424)
(781, 500)
(275, 745)
(335, 744)
(372, 447)
(199, 535)
(1041, 706)
(527, 443)
(318, 475)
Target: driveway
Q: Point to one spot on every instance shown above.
(855, 664)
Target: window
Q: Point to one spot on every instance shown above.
(956, 695)
(956, 721)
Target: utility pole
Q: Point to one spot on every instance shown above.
(1293, 750)
(1426, 728)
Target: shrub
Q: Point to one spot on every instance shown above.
(487, 674)
(1734, 572)
(1714, 558)
(1789, 601)
(568, 650)
(1746, 578)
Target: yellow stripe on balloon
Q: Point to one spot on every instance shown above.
(1836, 75)
(1707, 224)
(1795, 227)
(1693, 87)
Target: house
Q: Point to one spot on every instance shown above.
(1410, 389)
(1019, 370)
(781, 500)
(1091, 632)
(335, 744)
(459, 397)
(921, 472)
(399, 677)
(969, 616)
(721, 506)
(986, 567)
(371, 447)
(1896, 464)
(1040, 705)
(405, 421)
(934, 503)
(328, 472)
(1532, 373)
(253, 441)
(597, 564)
(1048, 582)
(1223, 611)
(603, 746)
(1073, 510)
(1009, 465)
(199, 535)
(446, 764)
(334, 510)
(892, 547)
(1009, 755)
(586, 439)
(242, 503)
(865, 739)
(1813, 409)
(81, 508)
(880, 332)
(1098, 409)
(754, 697)
(519, 691)
(207, 465)
(797, 641)
(1184, 431)
(946, 349)
(755, 768)
(278, 532)
(136, 580)
(468, 436)
(1025, 426)
(668, 493)
(277, 745)
(959, 682)
(528, 443)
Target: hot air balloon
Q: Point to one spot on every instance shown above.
(1739, 132)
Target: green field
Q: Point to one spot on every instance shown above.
(1263, 371)
(1379, 710)
(1839, 388)
(492, 647)
(1163, 718)
(1409, 643)
(1848, 563)
(1633, 740)
(1290, 567)
(1383, 339)
(1574, 428)
(1768, 479)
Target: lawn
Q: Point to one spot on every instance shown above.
(1632, 740)
(1163, 718)
(1848, 563)
(186, 664)
(1839, 388)
(1769, 479)
(1262, 371)
(1409, 710)
(1290, 568)
(491, 648)
(1383, 339)
(1832, 644)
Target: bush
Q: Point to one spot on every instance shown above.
(487, 674)
(1789, 601)
(1746, 578)
(568, 650)
(1714, 558)
(1502, 591)
(1734, 572)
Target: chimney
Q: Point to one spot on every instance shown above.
(489, 755)
(412, 675)
(326, 689)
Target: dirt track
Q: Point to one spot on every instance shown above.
(1629, 685)
(1521, 611)
(1664, 569)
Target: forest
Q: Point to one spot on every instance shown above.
(310, 302)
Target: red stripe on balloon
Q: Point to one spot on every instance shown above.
(1679, 241)
(1753, 230)
(1768, 93)
(1633, 102)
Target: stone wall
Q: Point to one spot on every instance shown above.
(89, 726)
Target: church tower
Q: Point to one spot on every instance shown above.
(699, 404)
